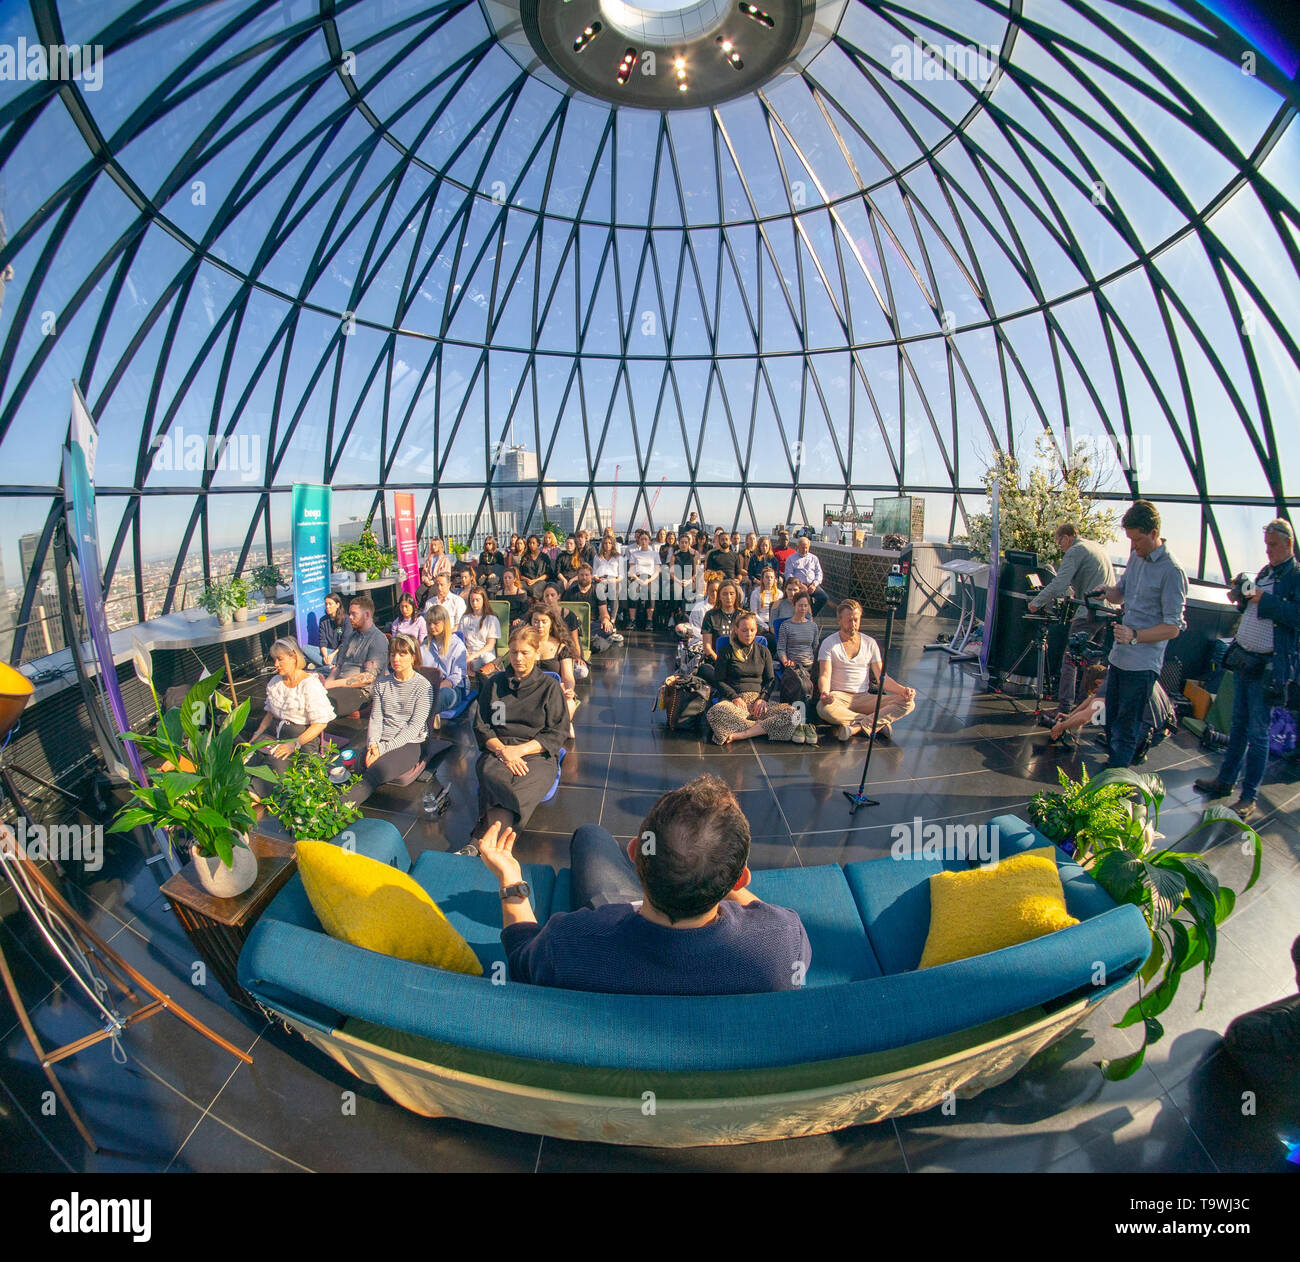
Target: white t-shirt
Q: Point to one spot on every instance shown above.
(642, 562)
(849, 674)
(480, 633)
(305, 705)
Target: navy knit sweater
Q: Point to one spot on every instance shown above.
(743, 951)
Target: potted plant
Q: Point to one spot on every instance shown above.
(1110, 823)
(219, 598)
(364, 557)
(308, 803)
(269, 579)
(240, 590)
(209, 808)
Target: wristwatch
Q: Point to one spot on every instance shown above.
(520, 889)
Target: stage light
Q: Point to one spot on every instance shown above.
(625, 66)
(750, 11)
(589, 33)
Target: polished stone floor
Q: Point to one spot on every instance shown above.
(176, 1103)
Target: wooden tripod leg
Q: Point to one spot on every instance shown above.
(106, 951)
(30, 1030)
(230, 678)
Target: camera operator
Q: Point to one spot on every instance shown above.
(1153, 590)
(1084, 567)
(1264, 659)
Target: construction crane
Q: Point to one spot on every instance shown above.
(650, 512)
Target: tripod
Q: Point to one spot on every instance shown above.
(860, 798)
(1039, 643)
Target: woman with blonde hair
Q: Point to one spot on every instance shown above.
(744, 675)
(297, 706)
(764, 599)
(446, 651)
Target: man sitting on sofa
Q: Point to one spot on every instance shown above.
(671, 916)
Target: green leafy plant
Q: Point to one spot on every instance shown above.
(224, 596)
(265, 576)
(308, 803)
(365, 556)
(457, 550)
(554, 527)
(1116, 816)
(207, 793)
(1034, 500)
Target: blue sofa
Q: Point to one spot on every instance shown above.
(868, 1036)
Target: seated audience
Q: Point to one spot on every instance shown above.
(550, 547)
(553, 652)
(518, 546)
(692, 630)
(444, 596)
(514, 595)
(642, 579)
(718, 622)
(360, 660)
(586, 547)
(568, 626)
(744, 675)
(783, 551)
(630, 904)
(602, 625)
(808, 570)
(490, 557)
(849, 669)
(399, 720)
(464, 579)
(333, 627)
(520, 721)
(764, 599)
(785, 606)
(435, 562)
(796, 650)
(608, 573)
(763, 558)
(480, 629)
(568, 563)
(722, 560)
(297, 706)
(535, 567)
(447, 652)
(408, 622)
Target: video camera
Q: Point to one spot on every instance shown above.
(1096, 605)
(1241, 589)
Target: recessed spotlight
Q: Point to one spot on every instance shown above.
(588, 34)
(757, 14)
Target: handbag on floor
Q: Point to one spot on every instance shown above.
(684, 700)
(796, 685)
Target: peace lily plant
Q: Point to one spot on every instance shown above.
(1111, 824)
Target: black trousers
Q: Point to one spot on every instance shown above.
(387, 767)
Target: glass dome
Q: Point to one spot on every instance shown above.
(383, 244)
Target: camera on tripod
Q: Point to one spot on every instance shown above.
(1084, 649)
(895, 587)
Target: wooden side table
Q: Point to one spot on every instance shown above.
(219, 927)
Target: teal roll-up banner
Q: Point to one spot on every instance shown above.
(311, 557)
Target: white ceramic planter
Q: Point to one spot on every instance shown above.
(226, 882)
(224, 618)
(241, 615)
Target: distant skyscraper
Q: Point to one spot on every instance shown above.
(514, 489)
(44, 626)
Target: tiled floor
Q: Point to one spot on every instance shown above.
(175, 1102)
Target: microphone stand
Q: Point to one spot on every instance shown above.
(860, 798)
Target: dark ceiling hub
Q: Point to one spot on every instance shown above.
(697, 55)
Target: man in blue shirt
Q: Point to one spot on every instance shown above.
(1153, 590)
(672, 916)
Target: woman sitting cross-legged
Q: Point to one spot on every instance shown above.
(554, 654)
(447, 652)
(744, 676)
(481, 630)
(408, 620)
(520, 722)
(399, 720)
(764, 598)
(297, 706)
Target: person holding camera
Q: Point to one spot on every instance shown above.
(1084, 567)
(1264, 660)
(1153, 591)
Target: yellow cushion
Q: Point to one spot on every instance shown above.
(986, 909)
(369, 904)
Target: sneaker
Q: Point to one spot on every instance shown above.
(1047, 720)
(615, 638)
(809, 734)
(844, 732)
(1212, 787)
(883, 732)
(1244, 810)
(798, 736)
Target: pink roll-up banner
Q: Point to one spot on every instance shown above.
(408, 556)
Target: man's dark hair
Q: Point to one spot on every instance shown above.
(1066, 530)
(700, 842)
(1143, 516)
(362, 601)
